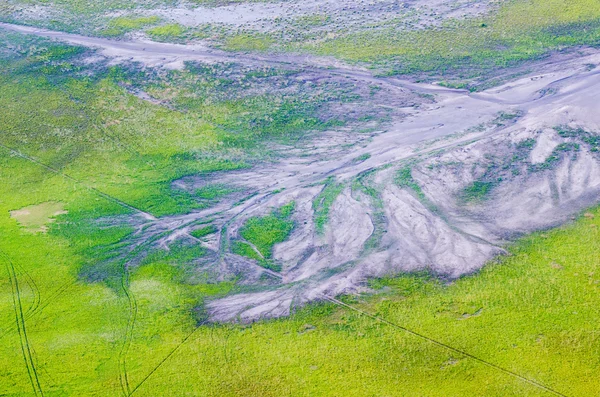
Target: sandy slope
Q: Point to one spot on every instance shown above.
(503, 136)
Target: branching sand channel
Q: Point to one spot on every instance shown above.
(446, 185)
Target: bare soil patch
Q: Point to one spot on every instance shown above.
(35, 218)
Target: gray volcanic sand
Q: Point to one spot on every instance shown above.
(505, 139)
(442, 231)
(287, 18)
(268, 16)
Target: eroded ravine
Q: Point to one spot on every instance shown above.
(482, 168)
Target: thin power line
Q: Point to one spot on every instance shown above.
(171, 353)
(446, 346)
(69, 177)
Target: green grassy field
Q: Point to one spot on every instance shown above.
(463, 53)
(534, 313)
(79, 142)
(75, 320)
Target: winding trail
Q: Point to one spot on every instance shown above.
(20, 319)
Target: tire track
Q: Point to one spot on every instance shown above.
(26, 348)
(133, 310)
(123, 377)
(36, 298)
(59, 291)
(124, 381)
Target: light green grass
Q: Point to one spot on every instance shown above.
(534, 313)
(78, 326)
(121, 25)
(73, 123)
(265, 232)
(168, 32)
(248, 42)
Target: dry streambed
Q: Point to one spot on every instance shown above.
(449, 182)
(444, 190)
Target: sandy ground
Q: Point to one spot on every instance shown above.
(288, 16)
(35, 218)
(504, 136)
(335, 14)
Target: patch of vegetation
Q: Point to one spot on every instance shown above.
(556, 155)
(527, 144)
(361, 184)
(498, 167)
(263, 233)
(477, 191)
(232, 98)
(323, 202)
(405, 179)
(214, 192)
(170, 32)
(178, 254)
(169, 201)
(121, 25)
(504, 117)
(248, 42)
(361, 158)
(279, 120)
(99, 247)
(590, 139)
(204, 231)
(313, 20)
(407, 284)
